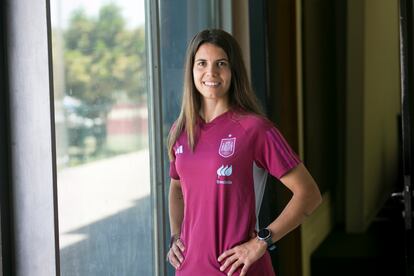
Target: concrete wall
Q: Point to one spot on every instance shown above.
(31, 150)
(373, 103)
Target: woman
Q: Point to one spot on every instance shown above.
(221, 148)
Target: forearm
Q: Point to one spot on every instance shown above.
(176, 207)
(294, 213)
(306, 198)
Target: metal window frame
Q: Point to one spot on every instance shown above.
(5, 229)
(156, 135)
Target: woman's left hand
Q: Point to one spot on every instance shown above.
(242, 255)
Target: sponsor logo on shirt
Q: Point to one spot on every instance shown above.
(227, 146)
(179, 150)
(223, 173)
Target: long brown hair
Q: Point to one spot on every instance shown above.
(240, 93)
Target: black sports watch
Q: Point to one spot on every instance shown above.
(266, 236)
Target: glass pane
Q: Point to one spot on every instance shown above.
(101, 121)
(180, 20)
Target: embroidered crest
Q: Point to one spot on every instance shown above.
(227, 147)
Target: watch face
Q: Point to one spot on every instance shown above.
(263, 234)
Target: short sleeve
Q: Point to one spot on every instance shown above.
(273, 153)
(173, 171)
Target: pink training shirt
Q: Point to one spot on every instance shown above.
(223, 181)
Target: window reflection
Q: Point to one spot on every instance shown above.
(180, 21)
(101, 121)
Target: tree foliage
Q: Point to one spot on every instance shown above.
(104, 61)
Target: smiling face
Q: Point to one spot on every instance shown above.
(212, 72)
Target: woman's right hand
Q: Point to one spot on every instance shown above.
(175, 254)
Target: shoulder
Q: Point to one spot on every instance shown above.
(175, 133)
(252, 122)
(173, 126)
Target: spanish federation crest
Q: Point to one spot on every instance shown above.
(227, 147)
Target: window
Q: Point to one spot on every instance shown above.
(179, 21)
(101, 122)
(103, 126)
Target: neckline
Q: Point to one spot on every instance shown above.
(215, 120)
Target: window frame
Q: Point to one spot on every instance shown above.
(156, 135)
(5, 231)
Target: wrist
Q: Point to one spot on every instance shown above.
(265, 237)
(173, 239)
(262, 244)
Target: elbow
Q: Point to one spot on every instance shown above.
(312, 198)
(317, 196)
(313, 202)
(318, 200)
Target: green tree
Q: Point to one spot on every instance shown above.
(104, 60)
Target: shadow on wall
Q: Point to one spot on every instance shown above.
(116, 245)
